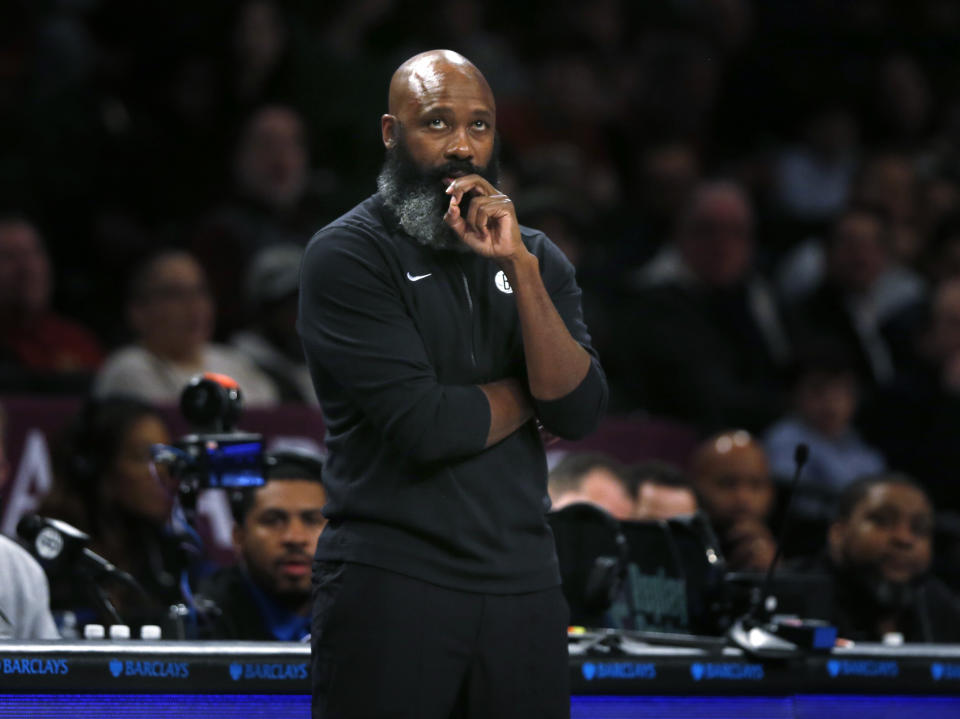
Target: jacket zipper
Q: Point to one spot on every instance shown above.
(466, 288)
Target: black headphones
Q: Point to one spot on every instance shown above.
(95, 434)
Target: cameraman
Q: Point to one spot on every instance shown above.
(266, 596)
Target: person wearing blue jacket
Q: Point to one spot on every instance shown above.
(445, 341)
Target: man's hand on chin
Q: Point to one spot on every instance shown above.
(490, 226)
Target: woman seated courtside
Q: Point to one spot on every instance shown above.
(106, 485)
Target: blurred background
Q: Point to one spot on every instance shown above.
(761, 199)
(127, 126)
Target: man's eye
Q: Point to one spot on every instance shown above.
(882, 519)
(437, 122)
(480, 125)
(272, 519)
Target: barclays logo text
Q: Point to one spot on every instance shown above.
(941, 670)
(618, 670)
(268, 671)
(730, 671)
(35, 666)
(157, 670)
(862, 668)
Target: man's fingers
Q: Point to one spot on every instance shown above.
(487, 224)
(476, 217)
(453, 217)
(484, 210)
(462, 185)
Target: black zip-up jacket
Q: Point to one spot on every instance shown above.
(398, 337)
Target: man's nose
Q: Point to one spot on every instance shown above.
(903, 534)
(459, 147)
(297, 533)
(745, 500)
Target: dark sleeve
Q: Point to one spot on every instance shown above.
(356, 330)
(578, 413)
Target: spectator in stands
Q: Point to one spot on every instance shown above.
(903, 101)
(260, 57)
(943, 252)
(661, 491)
(590, 477)
(105, 484)
(24, 593)
(271, 341)
(669, 173)
(732, 478)
(880, 550)
(271, 204)
(826, 392)
(939, 201)
(914, 421)
(171, 312)
(701, 339)
(36, 343)
(267, 595)
(853, 299)
(887, 187)
(888, 181)
(813, 178)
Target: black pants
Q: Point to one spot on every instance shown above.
(386, 645)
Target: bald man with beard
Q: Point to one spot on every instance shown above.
(441, 336)
(732, 477)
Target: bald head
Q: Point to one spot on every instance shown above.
(441, 125)
(428, 73)
(732, 476)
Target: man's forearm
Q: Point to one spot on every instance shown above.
(556, 362)
(510, 408)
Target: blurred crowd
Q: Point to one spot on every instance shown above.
(762, 202)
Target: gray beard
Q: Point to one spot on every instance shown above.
(420, 211)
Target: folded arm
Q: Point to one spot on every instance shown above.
(356, 331)
(568, 388)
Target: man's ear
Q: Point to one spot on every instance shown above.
(388, 130)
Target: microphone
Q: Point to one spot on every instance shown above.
(800, 455)
(752, 632)
(52, 540)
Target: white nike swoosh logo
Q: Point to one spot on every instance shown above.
(417, 278)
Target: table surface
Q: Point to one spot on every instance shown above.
(630, 668)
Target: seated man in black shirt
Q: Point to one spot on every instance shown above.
(731, 475)
(879, 555)
(267, 595)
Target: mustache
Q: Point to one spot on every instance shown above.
(457, 167)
